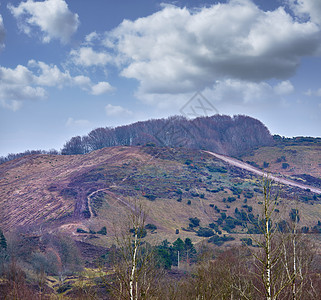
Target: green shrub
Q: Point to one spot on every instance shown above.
(151, 227)
(219, 241)
(102, 231)
(194, 222)
(205, 232)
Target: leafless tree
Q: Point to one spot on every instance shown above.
(135, 275)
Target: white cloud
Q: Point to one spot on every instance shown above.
(17, 85)
(50, 75)
(53, 17)
(284, 88)
(22, 83)
(101, 88)
(87, 57)
(115, 110)
(231, 90)
(18, 76)
(13, 105)
(77, 123)
(11, 96)
(2, 33)
(310, 92)
(91, 37)
(177, 50)
(224, 93)
(307, 9)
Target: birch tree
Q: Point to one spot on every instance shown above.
(280, 262)
(136, 275)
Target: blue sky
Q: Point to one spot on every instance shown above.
(69, 66)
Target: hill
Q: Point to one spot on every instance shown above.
(80, 194)
(222, 134)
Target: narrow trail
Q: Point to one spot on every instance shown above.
(107, 191)
(248, 167)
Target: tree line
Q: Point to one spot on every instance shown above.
(223, 134)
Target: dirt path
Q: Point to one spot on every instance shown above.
(107, 191)
(248, 167)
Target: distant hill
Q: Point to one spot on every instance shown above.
(223, 134)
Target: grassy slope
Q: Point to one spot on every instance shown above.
(301, 159)
(53, 190)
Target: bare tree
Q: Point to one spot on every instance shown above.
(282, 259)
(134, 265)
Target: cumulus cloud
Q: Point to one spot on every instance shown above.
(2, 33)
(233, 90)
(86, 56)
(284, 88)
(101, 88)
(116, 110)
(52, 17)
(223, 92)
(51, 75)
(177, 50)
(16, 86)
(29, 83)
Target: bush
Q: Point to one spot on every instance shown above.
(188, 162)
(102, 231)
(247, 241)
(285, 165)
(141, 233)
(305, 229)
(151, 227)
(216, 169)
(194, 222)
(219, 241)
(150, 197)
(205, 232)
(231, 199)
(248, 194)
(150, 144)
(189, 202)
(80, 230)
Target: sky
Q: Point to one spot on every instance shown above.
(69, 66)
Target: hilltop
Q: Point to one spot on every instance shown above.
(219, 133)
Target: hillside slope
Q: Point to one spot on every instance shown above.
(297, 162)
(100, 188)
